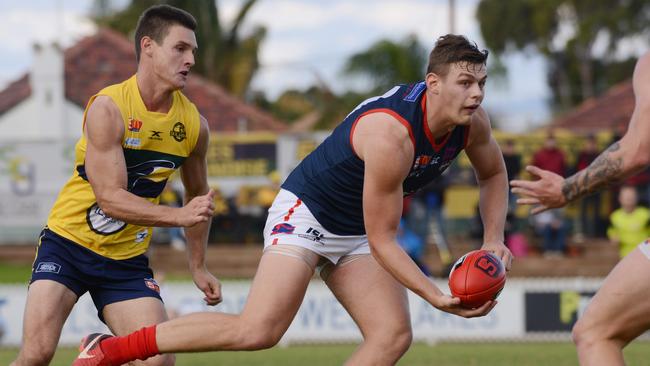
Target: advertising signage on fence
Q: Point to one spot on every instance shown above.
(321, 318)
(554, 311)
(242, 155)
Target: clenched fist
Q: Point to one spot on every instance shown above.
(199, 209)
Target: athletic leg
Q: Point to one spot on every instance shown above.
(274, 298)
(618, 313)
(127, 316)
(379, 306)
(48, 305)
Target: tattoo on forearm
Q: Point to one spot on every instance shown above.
(602, 171)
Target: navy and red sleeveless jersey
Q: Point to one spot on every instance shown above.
(330, 179)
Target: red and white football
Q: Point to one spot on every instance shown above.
(476, 278)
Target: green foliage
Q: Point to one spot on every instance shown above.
(385, 64)
(575, 72)
(225, 55)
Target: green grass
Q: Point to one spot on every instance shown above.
(15, 273)
(444, 354)
(11, 273)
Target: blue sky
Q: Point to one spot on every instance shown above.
(306, 40)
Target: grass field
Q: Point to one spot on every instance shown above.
(15, 273)
(444, 354)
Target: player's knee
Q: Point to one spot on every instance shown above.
(402, 338)
(582, 334)
(257, 334)
(394, 341)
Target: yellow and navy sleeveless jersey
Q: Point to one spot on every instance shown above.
(330, 179)
(154, 145)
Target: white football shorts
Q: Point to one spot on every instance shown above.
(291, 223)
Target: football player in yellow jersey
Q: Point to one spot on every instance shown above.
(135, 134)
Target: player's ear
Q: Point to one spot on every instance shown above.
(146, 44)
(432, 81)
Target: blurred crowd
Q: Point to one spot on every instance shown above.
(619, 215)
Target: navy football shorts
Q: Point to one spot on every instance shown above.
(81, 270)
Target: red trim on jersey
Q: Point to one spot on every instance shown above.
(292, 209)
(427, 132)
(391, 112)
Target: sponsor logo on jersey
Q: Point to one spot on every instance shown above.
(415, 92)
(141, 235)
(178, 132)
(134, 125)
(445, 165)
(132, 142)
(101, 223)
(49, 267)
(152, 284)
(155, 135)
(423, 161)
(283, 228)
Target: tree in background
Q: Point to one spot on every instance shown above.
(384, 64)
(225, 56)
(387, 63)
(579, 39)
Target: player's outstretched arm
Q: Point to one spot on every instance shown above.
(622, 159)
(487, 160)
(195, 180)
(106, 170)
(387, 151)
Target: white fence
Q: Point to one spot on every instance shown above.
(527, 310)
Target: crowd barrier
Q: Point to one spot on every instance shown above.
(528, 310)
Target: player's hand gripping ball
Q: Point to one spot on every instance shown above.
(476, 278)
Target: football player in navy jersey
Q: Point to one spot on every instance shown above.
(339, 212)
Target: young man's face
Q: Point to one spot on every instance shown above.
(462, 90)
(173, 58)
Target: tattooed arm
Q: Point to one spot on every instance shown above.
(622, 159)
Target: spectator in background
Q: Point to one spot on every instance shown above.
(590, 205)
(425, 217)
(629, 225)
(413, 245)
(512, 159)
(550, 157)
(550, 225)
(172, 198)
(225, 220)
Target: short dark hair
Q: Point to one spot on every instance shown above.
(452, 48)
(155, 22)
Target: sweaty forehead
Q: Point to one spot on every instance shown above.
(477, 70)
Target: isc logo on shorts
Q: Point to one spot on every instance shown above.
(152, 284)
(50, 267)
